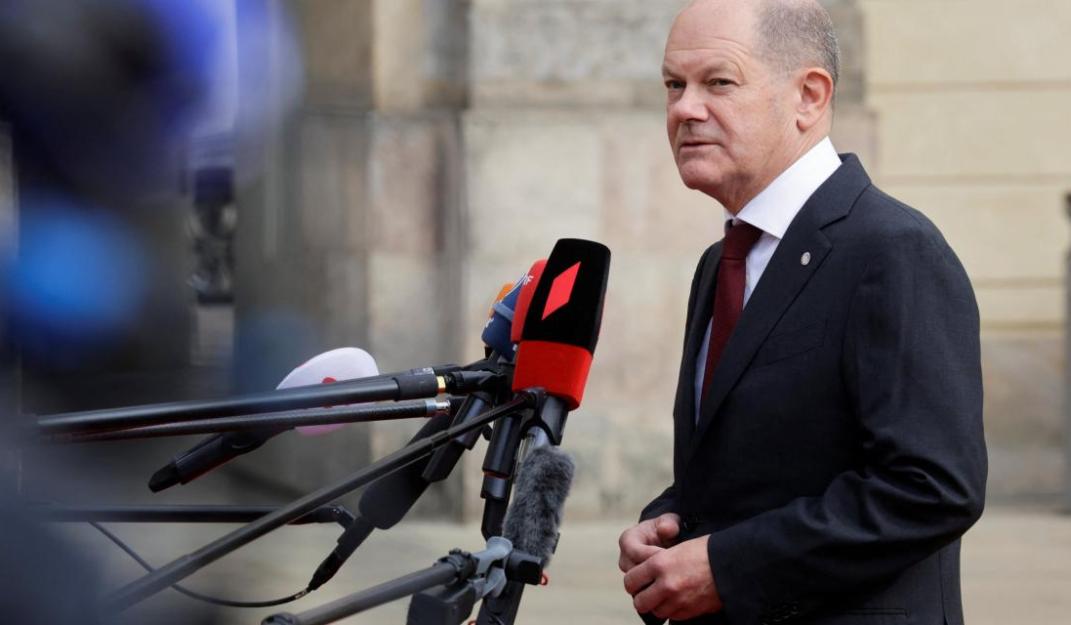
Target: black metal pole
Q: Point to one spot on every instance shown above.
(55, 513)
(441, 573)
(181, 567)
(501, 610)
(337, 393)
(282, 420)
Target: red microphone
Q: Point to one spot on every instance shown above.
(558, 334)
(524, 299)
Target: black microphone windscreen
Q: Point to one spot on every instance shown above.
(561, 326)
(542, 484)
(388, 499)
(567, 304)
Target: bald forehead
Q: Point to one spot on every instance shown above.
(703, 22)
(781, 35)
(715, 4)
(736, 17)
(749, 4)
(698, 10)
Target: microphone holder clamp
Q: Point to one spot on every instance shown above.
(463, 381)
(548, 414)
(543, 421)
(451, 604)
(444, 594)
(183, 566)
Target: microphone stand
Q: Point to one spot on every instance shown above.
(450, 588)
(453, 603)
(56, 513)
(282, 420)
(415, 386)
(500, 460)
(183, 566)
(387, 501)
(544, 426)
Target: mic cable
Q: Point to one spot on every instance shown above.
(193, 594)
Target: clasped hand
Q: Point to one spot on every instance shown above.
(667, 579)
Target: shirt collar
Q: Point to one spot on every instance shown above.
(776, 206)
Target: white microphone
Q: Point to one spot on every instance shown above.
(344, 363)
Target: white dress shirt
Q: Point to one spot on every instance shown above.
(772, 211)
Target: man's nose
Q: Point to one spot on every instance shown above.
(690, 106)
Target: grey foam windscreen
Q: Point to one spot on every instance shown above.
(539, 494)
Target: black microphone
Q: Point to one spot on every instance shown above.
(558, 333)
(382, 504)
(498, 338)
(386, 501)
(502, 448)
(216, 450)
(558, 339)
(542, 485)
(531, 532)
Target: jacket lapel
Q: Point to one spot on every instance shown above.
(781, 282)
(699, 318)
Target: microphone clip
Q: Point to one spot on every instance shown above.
(463, 382)
(481, 575)
(548, 414)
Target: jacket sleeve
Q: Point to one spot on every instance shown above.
(661, 504)
(911, 364)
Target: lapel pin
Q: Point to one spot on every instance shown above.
(805, 259)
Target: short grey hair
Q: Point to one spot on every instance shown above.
(794, 34)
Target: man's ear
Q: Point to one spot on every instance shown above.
(815, 97)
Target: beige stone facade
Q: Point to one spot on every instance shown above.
(565, 136)
(442, 147)
(972, 100)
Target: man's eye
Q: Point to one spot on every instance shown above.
(674, 84)
(720, 82)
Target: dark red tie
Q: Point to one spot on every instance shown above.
(729, 293)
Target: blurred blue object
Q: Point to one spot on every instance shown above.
(103, 94)
(79, 282)
(189, 38)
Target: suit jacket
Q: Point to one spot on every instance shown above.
(839, 453)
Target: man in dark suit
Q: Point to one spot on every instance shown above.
(828, 437)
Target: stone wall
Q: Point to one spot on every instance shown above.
(349, 234)
(565, 137)
(971, 101)
(441, 147)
